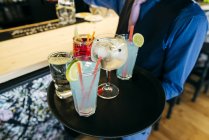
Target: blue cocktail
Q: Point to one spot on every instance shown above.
(125, 72)
(84, 87)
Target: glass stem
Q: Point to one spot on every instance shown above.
(108, 73)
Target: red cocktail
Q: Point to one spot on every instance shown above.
(82, 45)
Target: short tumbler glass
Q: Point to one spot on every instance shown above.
(58, 62)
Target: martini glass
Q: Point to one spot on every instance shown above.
(113, 52)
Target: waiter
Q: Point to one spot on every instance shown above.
(174, 32)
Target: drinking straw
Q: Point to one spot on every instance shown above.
(80, 77)
(92, 82)
(125, 69)
(92, 36)
(81, 82)
(131, 31)
(88, 37)
(95, 73)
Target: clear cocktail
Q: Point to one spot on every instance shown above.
(112, 49)
(57, 63)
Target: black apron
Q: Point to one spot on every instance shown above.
(154, 26)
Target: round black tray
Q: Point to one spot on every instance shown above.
(138, 106)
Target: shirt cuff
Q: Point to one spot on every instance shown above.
(171, 90)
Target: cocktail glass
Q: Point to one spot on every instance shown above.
(82, 45)
(57, 64)
(112, 49)
(84, 89)
(125, 71)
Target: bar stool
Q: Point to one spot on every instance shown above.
(199, 77)
(202, 72)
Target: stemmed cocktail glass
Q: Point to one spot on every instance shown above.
(112, 50)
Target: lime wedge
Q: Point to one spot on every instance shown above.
(138, 39)
(72, 71)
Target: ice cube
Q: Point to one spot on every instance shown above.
(102, 52)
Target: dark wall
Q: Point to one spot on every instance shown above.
(81, 6)
(42, 11)
(14, 14)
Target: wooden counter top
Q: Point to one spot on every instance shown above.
(26, 54)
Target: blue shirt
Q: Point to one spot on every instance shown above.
(183, 42)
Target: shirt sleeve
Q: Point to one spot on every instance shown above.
(182, 52)
(116, 5)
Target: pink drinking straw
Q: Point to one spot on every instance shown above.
(131, 31)
(80, 77)
(92, 82)
(81, 82)
(95, 73)
(124, 73)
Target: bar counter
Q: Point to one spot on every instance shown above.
(24, 55)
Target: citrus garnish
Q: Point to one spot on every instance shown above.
(138, 39)
(72, 72)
